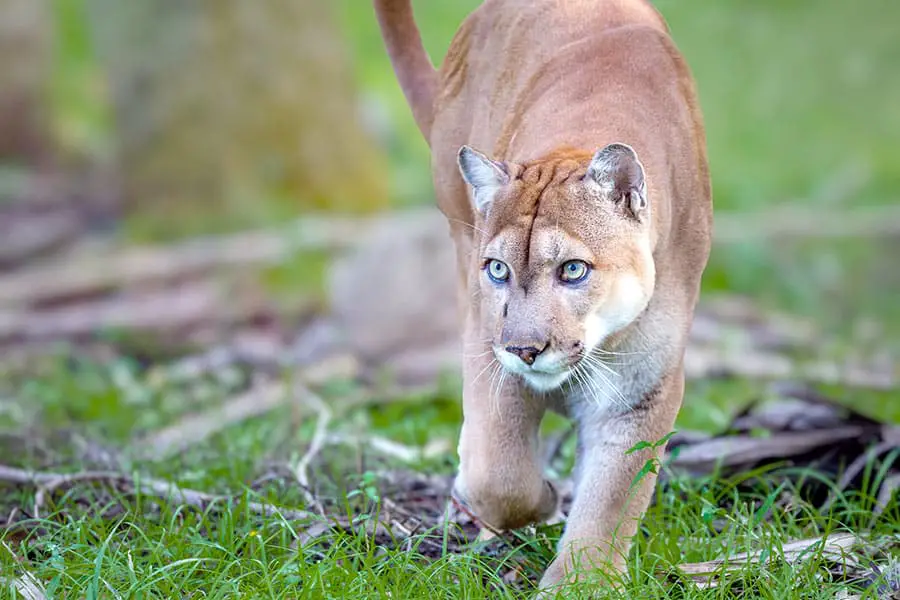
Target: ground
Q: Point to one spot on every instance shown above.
(380, 468)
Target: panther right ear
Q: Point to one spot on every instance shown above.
(484, 176)
(620, 175)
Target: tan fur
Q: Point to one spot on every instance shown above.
(541, 86)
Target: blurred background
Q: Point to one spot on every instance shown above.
(244, 188)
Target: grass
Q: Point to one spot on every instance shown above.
(92, 542)
(232, 554)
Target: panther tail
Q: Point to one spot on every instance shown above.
(413, 67)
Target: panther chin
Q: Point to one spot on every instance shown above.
(543, 376)
(546, 382)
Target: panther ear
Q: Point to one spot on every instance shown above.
(620, 175)
(484, 175)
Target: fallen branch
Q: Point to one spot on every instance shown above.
(48, 488)
(729, 451)
(169, 310)
(85, 275)
(27, 237)
(150, 487)
(183, 310)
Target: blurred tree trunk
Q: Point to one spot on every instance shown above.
(25, 66)
(223, 105)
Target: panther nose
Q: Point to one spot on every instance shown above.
(527, 353)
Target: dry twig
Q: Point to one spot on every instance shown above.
(835, 548)
(888, 487)
(392, 449)
(855, 468)
(301, 470)
(261, 399)
(197, 428)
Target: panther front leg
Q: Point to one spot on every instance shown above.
(608, 502)
(500, 479)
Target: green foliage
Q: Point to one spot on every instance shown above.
(650, 445)
(301, 275)
(82, 117)
(653, 464)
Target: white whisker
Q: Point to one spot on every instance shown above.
(590, 368)
(596, 361)
(469, 225)
(484, 370)
(493, 395)
(578, 374)
(605, 352)
(600, 378)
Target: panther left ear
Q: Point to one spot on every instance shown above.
(620, 175)
(484, 175)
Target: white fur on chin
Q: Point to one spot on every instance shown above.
(546, 382)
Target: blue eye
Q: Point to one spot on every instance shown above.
(497, 270)
(574, 271)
